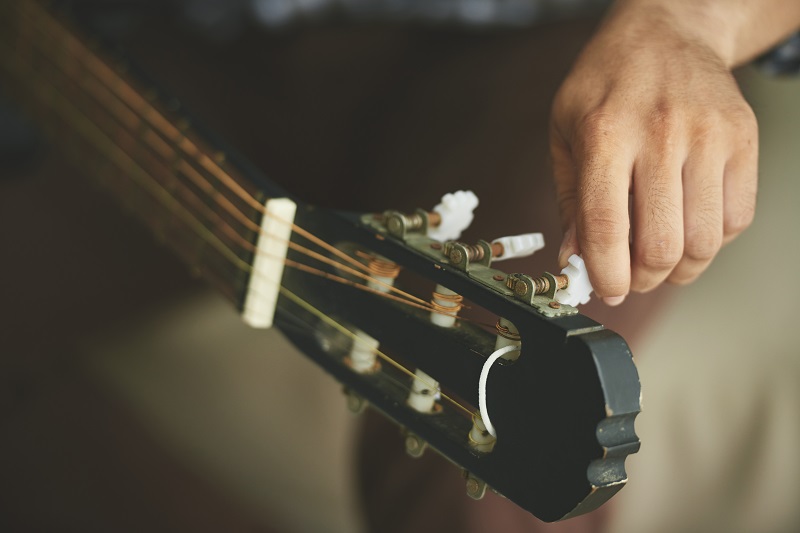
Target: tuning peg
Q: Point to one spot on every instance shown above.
(517, 246)
(578, 287)
(455, 212)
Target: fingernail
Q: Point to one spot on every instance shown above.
(614, 301)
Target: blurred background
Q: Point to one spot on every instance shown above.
(132, 397)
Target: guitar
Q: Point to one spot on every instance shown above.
(563, 395)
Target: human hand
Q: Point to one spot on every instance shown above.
(651, 110)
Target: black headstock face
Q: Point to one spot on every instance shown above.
(563, 410)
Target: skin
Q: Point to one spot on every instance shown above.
(655, 150)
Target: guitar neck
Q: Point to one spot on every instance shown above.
(142, 149)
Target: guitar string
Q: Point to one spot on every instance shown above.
(328, 320)
(138, 175)
(159, 146)
(156, 143)
(242, 242)
(141, 178)
(214, 241)
(179, 139)
(391, 377)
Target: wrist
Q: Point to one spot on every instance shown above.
(736, 31)
(713, 25)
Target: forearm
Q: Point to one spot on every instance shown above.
(735, 30)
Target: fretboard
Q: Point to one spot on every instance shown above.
(134, 143)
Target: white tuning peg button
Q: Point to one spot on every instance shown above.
(456, 212)
(579, 287)
(519, 245)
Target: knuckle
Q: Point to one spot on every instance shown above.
(742, 121)
(707, 125)
(598, 126)
(739, 219)
(702, 245)
(745, 117)
(659, 252)
(703, 238)
(561, 103)
(665, 120)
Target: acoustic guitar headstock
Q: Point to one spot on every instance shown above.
(538, 404)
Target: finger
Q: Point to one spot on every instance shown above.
(702, 212)
(565, 181)
(657, 217)
(740, 187)
(602, 223)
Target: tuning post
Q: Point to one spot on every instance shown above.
(525, 287)
(383, 272)
(446, 304)
(445, 222)
(461, 255)
(424, 393)
(425, 389)
(401, 225)
(507, 335)
(479, 437)
(363, 357)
